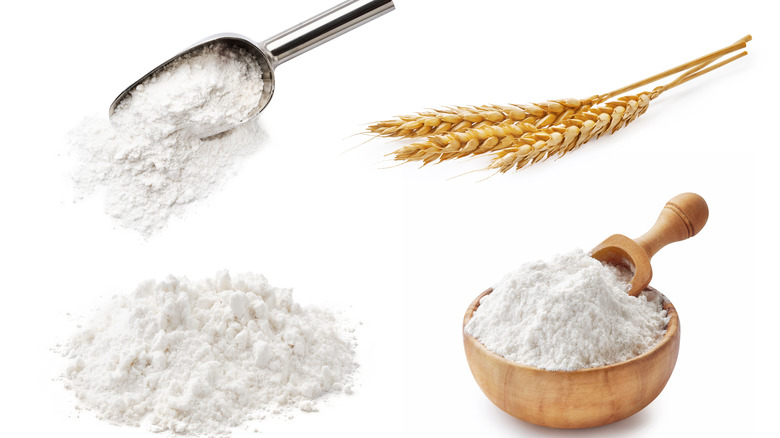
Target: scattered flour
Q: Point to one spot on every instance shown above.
(174, 140)
(567, 314)
(202, 357)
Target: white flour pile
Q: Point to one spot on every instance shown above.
(202, 357)
(567, 314)
(174, 140)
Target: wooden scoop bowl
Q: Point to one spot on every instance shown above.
(682, 217)
(573, 399)
(594, 396)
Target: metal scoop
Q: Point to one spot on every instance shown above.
(285, 45)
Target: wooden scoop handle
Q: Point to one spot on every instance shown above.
(682, 217)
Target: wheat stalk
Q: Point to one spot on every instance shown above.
(520, 135)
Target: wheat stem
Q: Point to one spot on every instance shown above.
(739, 44)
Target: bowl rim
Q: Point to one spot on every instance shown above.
(672, 330)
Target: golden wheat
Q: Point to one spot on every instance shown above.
(520, 135)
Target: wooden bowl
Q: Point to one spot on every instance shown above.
(574, 399)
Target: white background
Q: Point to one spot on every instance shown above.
(405, 250)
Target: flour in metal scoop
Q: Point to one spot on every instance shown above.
(174, 140)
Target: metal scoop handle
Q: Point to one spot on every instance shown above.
(322, 28)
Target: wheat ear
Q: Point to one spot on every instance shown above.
(463, 118)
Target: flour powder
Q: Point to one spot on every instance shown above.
(174, 140)
(202, 357)
(568, 313)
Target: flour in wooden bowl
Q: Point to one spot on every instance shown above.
(568, 313)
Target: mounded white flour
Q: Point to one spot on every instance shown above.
(202, 357)
(174, 139)
(566, 314)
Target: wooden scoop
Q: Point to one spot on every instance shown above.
(682, 217)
